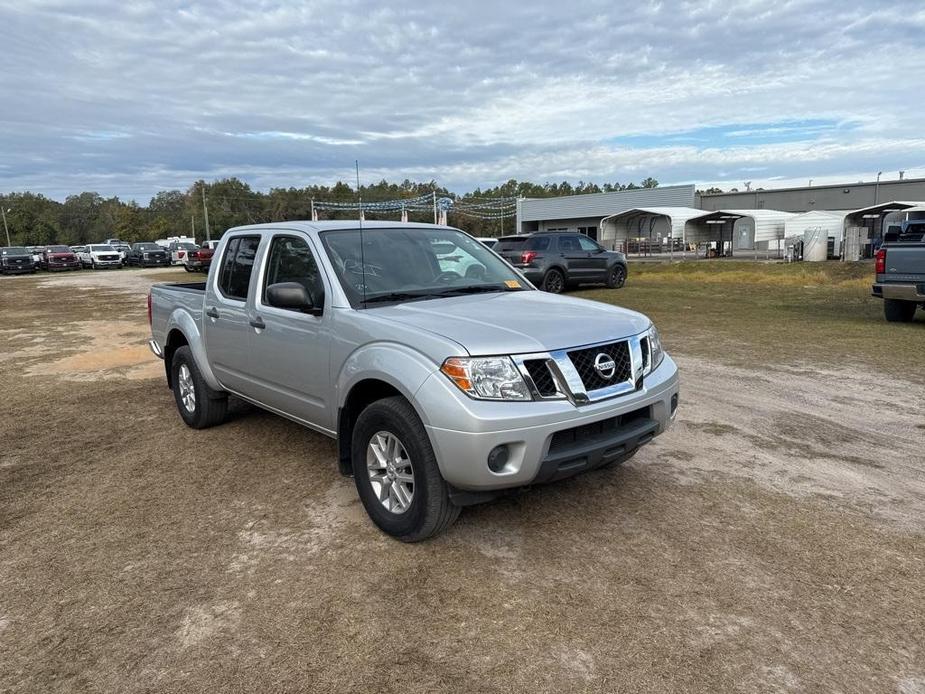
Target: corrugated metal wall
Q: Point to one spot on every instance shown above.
(602, 204)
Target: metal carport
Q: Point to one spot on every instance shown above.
(864, 227)
(649, 223)
(742, 230)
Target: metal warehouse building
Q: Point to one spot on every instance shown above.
(645, 219)
(584, 213)
(843, 196)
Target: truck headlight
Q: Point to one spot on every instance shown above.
(656, 353)
(486, 378)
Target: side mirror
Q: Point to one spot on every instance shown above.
(293, 296)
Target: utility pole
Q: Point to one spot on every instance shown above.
(192, 222)
(435, 207)
(205, 212)
(5, 227)
(877, 189)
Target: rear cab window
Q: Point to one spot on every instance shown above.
(237, 266)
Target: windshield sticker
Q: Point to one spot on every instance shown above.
(513, 284)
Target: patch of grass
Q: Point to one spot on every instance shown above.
(829, 274)
(768, 313)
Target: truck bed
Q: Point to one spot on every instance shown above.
(199, 287)
(168, 298)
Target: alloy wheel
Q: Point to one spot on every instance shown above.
(187, 388)
(390, 472)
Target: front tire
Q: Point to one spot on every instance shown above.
(899, 311)
(396, 472)
(199, 406)
(616, 277)
(553, 281)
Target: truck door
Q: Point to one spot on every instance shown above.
(291, 349)
(226, 320)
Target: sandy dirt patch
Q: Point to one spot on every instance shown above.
(771, 541)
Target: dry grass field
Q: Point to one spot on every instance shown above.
(773, 540)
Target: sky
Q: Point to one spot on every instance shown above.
(130, 98)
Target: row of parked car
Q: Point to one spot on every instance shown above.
(112, 253)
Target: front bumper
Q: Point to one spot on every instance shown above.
(154, 262)
(107, 263)
(18, 269)
(464, 431)
(903, 292)
(72, 265)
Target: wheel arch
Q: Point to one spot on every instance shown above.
(371, 373)
(182, 330)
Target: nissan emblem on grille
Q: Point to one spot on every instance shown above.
(604, 365)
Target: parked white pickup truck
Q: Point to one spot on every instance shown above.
(442, 389)
(98, 255)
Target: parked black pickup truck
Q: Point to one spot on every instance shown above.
(900, 268)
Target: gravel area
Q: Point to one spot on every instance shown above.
(771, 541)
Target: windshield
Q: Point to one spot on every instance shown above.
(412, 264)
(102, 249)
(147, 247)
(187, 246)
(58, 249)
(16, 250)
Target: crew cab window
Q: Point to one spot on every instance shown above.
(291, 260)
(237, 265)
(587, 244)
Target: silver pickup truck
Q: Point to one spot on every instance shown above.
(443, 374)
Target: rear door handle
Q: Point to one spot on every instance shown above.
(257, 322)
(212, 312)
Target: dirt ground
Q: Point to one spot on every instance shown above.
(773, 540)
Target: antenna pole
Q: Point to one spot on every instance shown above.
(362, 250)
(435, 207)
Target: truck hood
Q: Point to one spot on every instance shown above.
(517, 322)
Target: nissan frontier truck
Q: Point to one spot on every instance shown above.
(442, 388)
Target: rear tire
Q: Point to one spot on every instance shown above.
(429, 511)
(899, 311)
(553, 281)
(616, 277)
(199, 405)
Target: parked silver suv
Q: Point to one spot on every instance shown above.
(444, 375)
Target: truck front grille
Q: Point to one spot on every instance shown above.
(542, 378)
(584, 362)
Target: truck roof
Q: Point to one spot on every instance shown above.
(328, 225)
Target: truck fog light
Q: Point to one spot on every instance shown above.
(498, 458)
(674, 404)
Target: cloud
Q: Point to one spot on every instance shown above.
(130, 98)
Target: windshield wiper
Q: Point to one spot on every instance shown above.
(399, 296)
(479, 289)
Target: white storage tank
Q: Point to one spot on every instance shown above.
(815, 244)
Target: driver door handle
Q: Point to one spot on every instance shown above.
(257, 322)
(212, 312)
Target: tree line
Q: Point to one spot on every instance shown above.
(35, 220)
